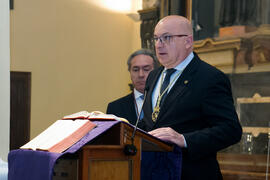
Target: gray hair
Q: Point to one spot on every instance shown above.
(146, 52)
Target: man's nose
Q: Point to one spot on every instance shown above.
(141, 72)
(159, 43)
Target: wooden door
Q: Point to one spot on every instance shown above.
(20, 97)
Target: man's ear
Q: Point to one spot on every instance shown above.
(189, 42)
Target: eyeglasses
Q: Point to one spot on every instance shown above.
(167, 38)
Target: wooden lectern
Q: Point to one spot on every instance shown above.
(100, 155)
(104, 158)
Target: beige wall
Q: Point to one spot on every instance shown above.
(76, 52)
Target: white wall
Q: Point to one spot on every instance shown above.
(4, 78)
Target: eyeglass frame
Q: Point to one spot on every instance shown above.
(162, 38)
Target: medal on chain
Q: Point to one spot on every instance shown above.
(156, 111)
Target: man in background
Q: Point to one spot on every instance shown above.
(140, 64)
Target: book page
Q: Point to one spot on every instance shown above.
(57, 132)
(94, 115)
(101, 116)
(46, 135)
(78, 115)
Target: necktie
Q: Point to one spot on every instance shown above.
(165, 83)
(141, 115)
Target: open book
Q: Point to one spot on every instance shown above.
(60, 135)
(95, 115)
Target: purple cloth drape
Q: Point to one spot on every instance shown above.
(38, 165)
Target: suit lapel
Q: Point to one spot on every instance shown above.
(152, 81)
(180, 86)
(152, 86)
(130, 108)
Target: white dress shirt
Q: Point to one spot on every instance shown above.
(139, 101)
(179, 69)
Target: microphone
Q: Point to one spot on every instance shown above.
(130, 149)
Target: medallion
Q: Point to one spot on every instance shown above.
(155, 114)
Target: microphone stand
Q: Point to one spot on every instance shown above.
(130, 149)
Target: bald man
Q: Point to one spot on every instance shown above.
(189, 102)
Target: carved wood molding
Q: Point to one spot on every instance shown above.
(249, 49)
(149, 18)
(210, 45)
(255, 131)
(189, 9)
(257, 98)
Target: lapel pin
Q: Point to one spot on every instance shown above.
(186, 81)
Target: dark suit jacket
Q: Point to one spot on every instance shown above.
(124, 107)
(199, 106)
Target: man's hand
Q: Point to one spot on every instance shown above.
(170, 135)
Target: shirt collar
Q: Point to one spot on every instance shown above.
(183, 64)
(137, 94)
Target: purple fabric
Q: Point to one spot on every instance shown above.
(161, 165)
(30, 165)
(38, 165)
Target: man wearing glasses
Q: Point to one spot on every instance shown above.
(189, 102)
(140, 64)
